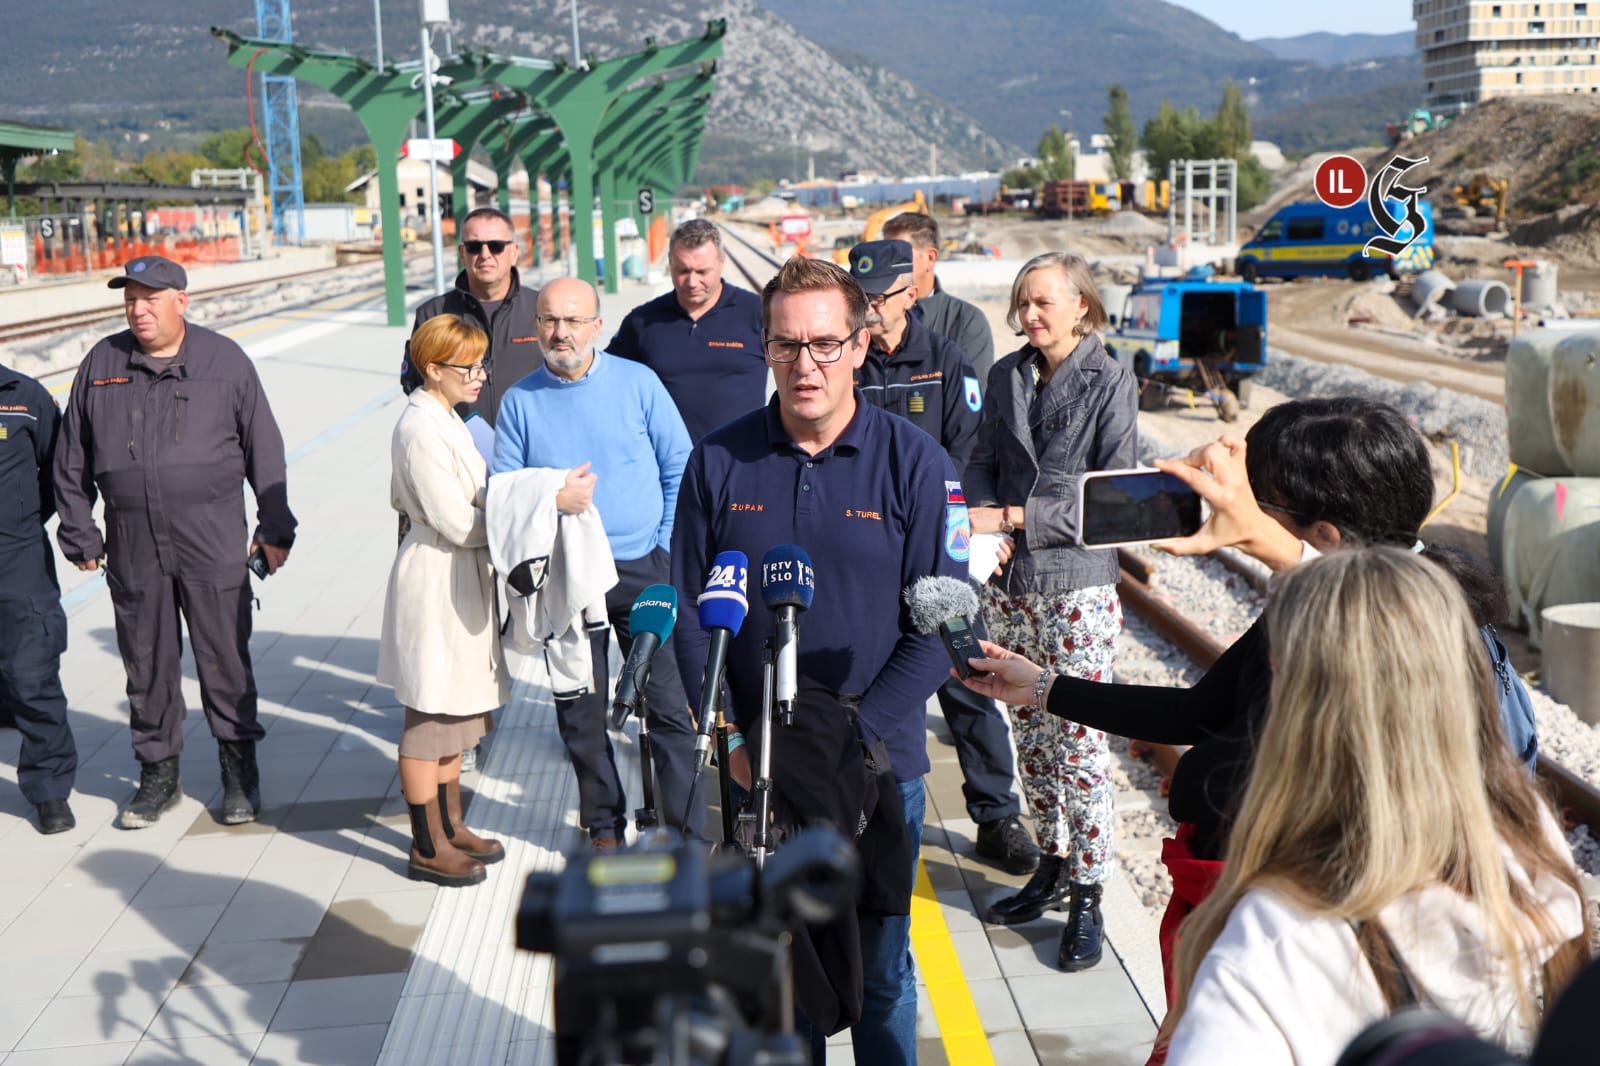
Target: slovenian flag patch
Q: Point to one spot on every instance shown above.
(953, 494)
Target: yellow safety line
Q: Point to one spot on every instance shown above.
(960, 1028)
(276, 320)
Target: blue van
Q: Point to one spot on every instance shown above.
(1310, 237)
(1201, 335)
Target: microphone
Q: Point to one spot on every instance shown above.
(946, 605)
(722, 609)
(787, 585)
(654, 614)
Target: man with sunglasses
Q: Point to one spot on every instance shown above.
(611, 425)
(489, 292)
(925, 378)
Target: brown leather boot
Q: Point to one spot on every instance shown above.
(465, 840)
(433, 857)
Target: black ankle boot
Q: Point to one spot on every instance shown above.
(1046, 890)
(241, 781)
(158, 793)
(1081, 939)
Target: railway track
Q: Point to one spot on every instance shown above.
(39, 327)
(1578, 800)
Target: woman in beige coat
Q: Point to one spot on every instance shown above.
(441, 642)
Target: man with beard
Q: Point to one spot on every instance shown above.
(609, 422)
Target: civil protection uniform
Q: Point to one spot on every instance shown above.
(33, 627)
(713, 366)
(875, 511)
(929, 381)
(960, 322)
(513, 351)
(168, 443)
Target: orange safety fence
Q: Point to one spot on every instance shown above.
(116, 252)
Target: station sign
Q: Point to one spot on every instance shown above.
(441, 150)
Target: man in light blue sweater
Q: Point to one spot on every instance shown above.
(611, 423)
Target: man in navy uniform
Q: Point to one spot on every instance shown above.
(166, 422)
(703, 339)
(33, 627)
(942, 313)
(869, 497)
(923, 377)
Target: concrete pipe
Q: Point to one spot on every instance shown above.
(1481, 298)
(1428, 288)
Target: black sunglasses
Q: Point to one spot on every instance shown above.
(474, 247)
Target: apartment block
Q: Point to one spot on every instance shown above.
(1473, 51)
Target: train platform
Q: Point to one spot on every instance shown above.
(298, 939)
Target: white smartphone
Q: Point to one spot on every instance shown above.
(1122, 507)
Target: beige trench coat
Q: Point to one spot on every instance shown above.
(441, 640)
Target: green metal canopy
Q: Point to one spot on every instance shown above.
(18, 140)
(608, 125)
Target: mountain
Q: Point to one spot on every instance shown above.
(1332, 49)
(152, 70)
(1020, 66)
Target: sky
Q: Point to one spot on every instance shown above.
(1274, 18)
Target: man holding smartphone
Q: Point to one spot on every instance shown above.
(166, 420)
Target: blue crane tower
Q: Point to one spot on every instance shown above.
(281, 117)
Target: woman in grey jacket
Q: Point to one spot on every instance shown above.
(1057, 408)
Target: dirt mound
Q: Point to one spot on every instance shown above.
(1573, 232)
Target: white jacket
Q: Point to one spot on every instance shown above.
(1280, 987)
(572, 569)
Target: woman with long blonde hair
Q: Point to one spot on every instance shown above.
(1389, 848)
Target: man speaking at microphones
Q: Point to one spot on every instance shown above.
(864, 494)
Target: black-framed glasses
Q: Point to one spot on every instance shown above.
(476, 247)
(474, 370)
(570, 321)
(876, 299)
(1280, 509)
(823, 350)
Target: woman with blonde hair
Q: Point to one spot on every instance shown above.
(1389, 849)
(441, 641)
(1056, 408)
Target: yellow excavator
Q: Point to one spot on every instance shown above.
(918, 204)
(1484, 193)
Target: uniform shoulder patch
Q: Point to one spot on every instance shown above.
(974, 396)
(957, 533)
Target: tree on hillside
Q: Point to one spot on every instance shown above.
(1118, 124)
(1055, 155)
(227, 148)
(1233, 122)
(1174, 134)
(170, 168)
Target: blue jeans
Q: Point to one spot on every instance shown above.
(886, 1035)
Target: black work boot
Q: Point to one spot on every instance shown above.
(1046, 890)
(1007, 842)
(1080, 940)
(241, 782)
(158, 793)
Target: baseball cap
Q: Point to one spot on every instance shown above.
(155, 271)
(876, 265)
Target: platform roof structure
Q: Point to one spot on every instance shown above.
(611, 126)
(19, 140)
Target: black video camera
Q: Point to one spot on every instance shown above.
(666, 953)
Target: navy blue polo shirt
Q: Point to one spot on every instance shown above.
(29, 421)
(713, 368)
(875, 511)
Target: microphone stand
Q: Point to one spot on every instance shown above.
(645, 817)
(724, 776)
(763, 783)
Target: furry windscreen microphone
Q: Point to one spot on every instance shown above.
(947, 605)
(934, 600)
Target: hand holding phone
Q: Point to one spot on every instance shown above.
(258, 563)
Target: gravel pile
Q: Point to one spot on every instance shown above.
(1438, 413)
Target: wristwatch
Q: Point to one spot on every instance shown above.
(1005, 520)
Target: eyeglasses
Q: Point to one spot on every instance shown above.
(569, 321)
(476, 370)
(495, 247)
(1280, 509)
(875, 299)
(823, 349)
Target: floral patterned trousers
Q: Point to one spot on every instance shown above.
(1065, 767)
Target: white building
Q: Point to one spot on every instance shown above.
(1474, 50)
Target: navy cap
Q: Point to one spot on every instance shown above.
(154, 271)
(876, 265)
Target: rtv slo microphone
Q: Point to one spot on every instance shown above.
(947, 605)
(650, 622)
(723, 606)
(787, 585)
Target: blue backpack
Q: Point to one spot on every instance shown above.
(1516, 706)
